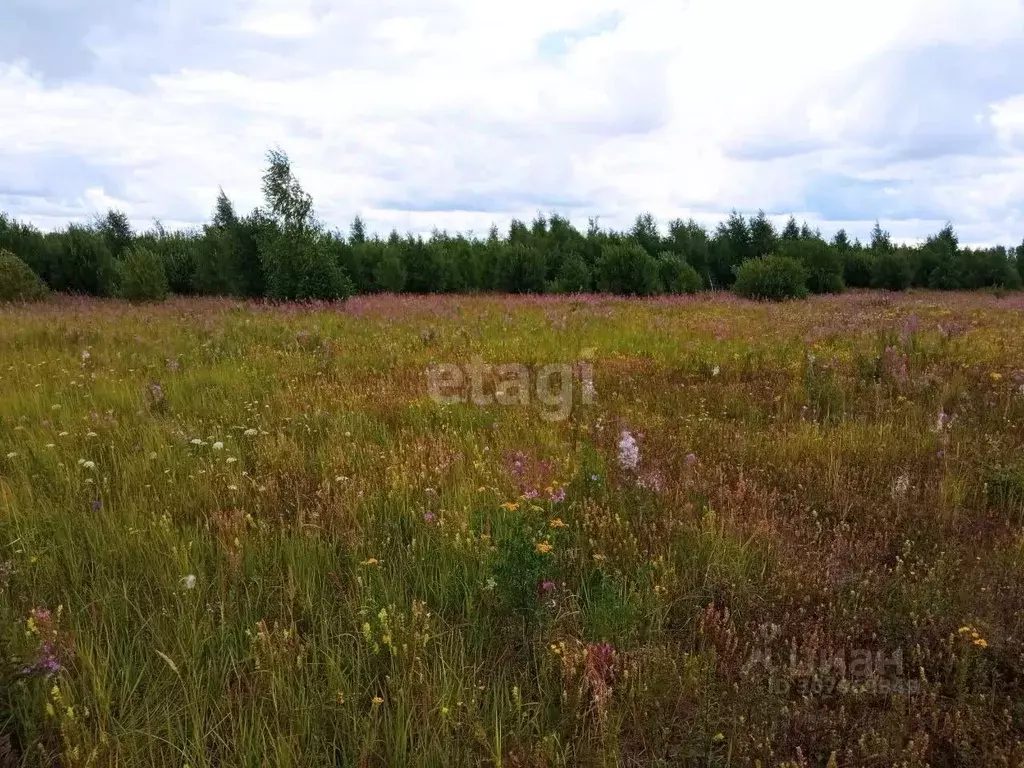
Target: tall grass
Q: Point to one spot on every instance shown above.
(239, 534)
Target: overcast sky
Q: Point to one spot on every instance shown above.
(460, 113)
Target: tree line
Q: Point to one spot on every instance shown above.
(281, 251)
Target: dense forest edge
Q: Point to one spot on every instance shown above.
(281, 251)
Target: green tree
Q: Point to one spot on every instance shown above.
(83, 263)
(822, 263)
(117, 231)
(763, 237)
(627, 269)
(297, 258)
(574, 275)
(645, 232)
(773, 278)
(791, 230)
(141, 276)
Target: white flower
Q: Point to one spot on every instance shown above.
(231, 460)
(91, 434)
(251, 433)
(88, 465)
(232, 487)
(715, 371)
(196, 441)
(51, 445)
(12, 455)
(188, 582)
(901, 485)
(152, 456)
(218, 446)
(85, 355)
(55, 407)
(63, 434)
(629, 453)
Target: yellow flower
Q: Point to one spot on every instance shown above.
(544, 547)
(377, 701)
(996, 376)
(558, 523)
(511, 506)
(372, 561)
(980, 642)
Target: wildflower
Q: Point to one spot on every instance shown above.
(558, 495)
(595, 478)
(231, 460)
(63, 434)
(715, 371)
(189, 581)
(85, 355)
(373, 561)
(56, 407)
(691, 459)
(90, 465)
(152, 456)
(232, 487)
(429, 517)
(531, 494)
(51, 445)
(218, 446)
(251, 433)
(629, 453)
(97, 504)
(544, 547)
(196, 441)
(996, 376)
(377, 701)
(12, 455)
(547, 586)
(490, 584)
(91, 435)
(510, 506)
(557, 523)
(901, 485)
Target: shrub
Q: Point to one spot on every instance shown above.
(83, 263)
(892, 271)
(574, 275)
(523, 269)
(17, 281)
(629, 270)
(773, 277)
(141, 276)
(677, 276)
(823, 263)
(389, 272)
(858, 268)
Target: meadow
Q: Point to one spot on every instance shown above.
(243, 534)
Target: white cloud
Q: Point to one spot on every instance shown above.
(448, 112)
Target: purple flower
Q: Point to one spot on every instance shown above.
(531, 494)
(558, 495)
(691, 459)
(547, 586)
(429, 517)
(97, 504)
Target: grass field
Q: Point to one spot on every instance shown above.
(248, 535)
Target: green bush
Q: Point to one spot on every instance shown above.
(389, 272)
(773, 277)
(17, 280)
(892, 271)
(823, 263)
(858, 268)
(677, 276)
(83, 263)
(300, 266)
(574, 275)
(629, 270)
(141, 276)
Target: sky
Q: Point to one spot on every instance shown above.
(457, 114)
